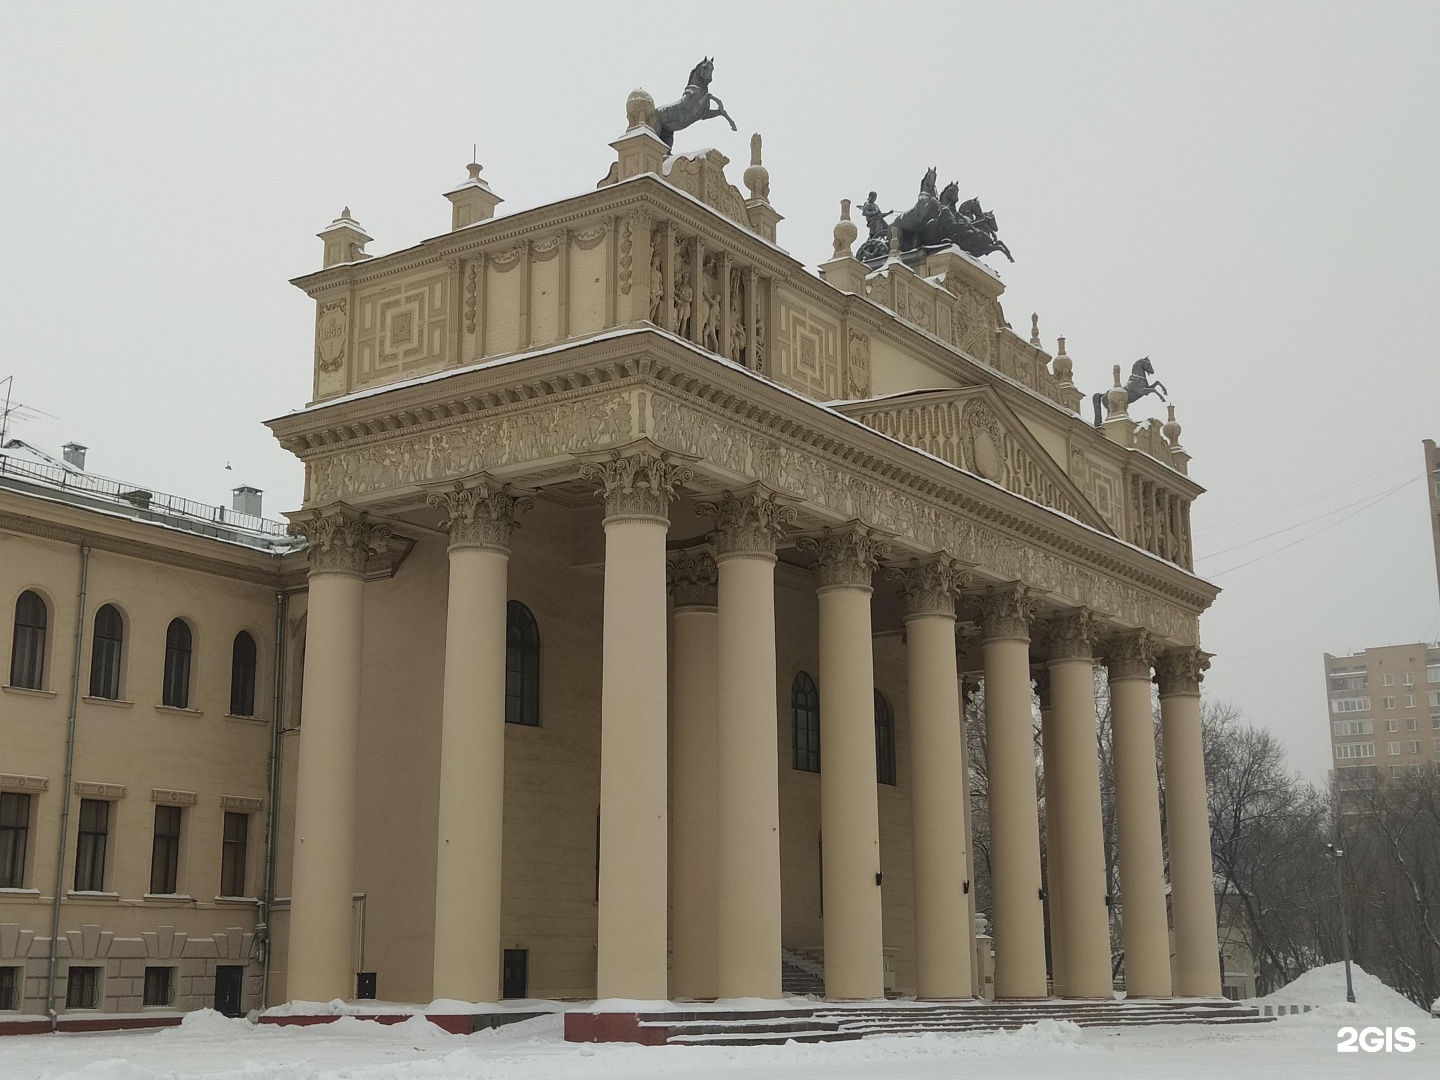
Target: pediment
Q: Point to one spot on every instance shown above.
(973, 429)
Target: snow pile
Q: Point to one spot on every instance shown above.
(414, 1026)
(1324, 987)
(207, 1023)
(1043, 1036)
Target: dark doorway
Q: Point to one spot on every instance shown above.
(516, 979)
(230, 989)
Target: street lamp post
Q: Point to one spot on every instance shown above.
(1332, 852)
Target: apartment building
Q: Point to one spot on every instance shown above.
(1384, 712)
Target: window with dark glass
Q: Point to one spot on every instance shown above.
(14, 838)
(884, 740)
(232, 854)
(522, 666)
(105, 656)
(805, 723)
(82, 988)
(242, 675)
(176, 691)
(9, 988)
(159, 984)
(27, 650)
(90, 846)
(165, 852)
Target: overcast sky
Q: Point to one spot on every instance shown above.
(1244, 192)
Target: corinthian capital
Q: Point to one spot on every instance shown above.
(847, 555)
(928, 586)
(1072, 635)
(693, 578)
(1179, 671)
(481, 513)
(747, 522)
(339, 538)
(1130, 653)
(637, 485)
(1006, 611)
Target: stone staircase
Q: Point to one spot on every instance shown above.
(801, 975)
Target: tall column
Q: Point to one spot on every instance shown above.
(632, 933)
(1077, 892)
(969, 684)
(747, 525)
(1014, 814)
(943, 931)
(1054, 850)
(479, 518)
(694, 785)
(322, 935)
(1187, 821)
(849, 810)
(1137, 817)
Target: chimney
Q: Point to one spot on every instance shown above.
(247, 500)
(74, 454)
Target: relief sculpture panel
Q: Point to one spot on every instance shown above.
(807, 351)
(402, 328)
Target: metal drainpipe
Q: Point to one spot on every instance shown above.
(65, 788)
(272, 821)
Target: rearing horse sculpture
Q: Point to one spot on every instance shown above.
(694, 104)
(1136, 387)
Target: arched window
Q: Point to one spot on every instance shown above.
(176, 691)
(884, 740)
(242, 675)
(27, 651)
(105, 656)
(522, 666)
(805, 723)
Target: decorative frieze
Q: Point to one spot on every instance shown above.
(637, 485)
(1006, 611)
(1179, 671)
(1130, 653)
(340, 539)
(693, 578)
(171, 797)
(846, 556)
(1072, 635)
(749, 522)
(17, 782)
(241, 802)
(481, 513)
(928, 587)
(99, 791)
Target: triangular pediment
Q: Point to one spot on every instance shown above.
(973, 429)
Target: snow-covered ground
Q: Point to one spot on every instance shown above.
(209, 1046)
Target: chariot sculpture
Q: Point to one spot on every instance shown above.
(934, 221)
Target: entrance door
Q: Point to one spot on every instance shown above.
(230, 989)
(516, 976)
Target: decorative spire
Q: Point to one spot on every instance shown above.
(344, 240)
(1035, 330)
(1062, 366)
(472, 201)
(845, 231)
(1171, 430)
(757, 177)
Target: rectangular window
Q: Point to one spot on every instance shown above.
(165, 853)
(1411, 724)
(1412, 747)
(1432, 673)
(90, 847)
(1389, 680)
(1348, 683)
(1437, 746)
(1408, 701)
(1393, 749)
(1389, 703)
(1355, 750)
(82, 988)
(1435, 720)
(1353, 704)
(14, 838)
(9, 988)
(158, 984)
(1392, 725)
(1407, 679)
(232, 854)
(1435, 699)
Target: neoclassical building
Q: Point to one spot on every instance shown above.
(645, 574)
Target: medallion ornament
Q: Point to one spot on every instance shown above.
(638, 485)
(1006, 611)
(928, 587)
(749, 522)
(340, 538)
(480, 513)
(1130, 654)
(846, 556)
(693, 578)
(1179, 671)
(331, 336)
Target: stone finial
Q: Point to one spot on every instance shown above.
(845, 231)
(1062, 365)
(1171, 430)
(344, 240)
(1117, 399)
(472, 201)
(639, 110)
(757, 177)
(1035, 329)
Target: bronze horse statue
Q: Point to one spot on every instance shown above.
(694, 104)
(1137, 386)
(912, 223)
(967, 226)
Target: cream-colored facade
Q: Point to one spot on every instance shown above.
(734, 500)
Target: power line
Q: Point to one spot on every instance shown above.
(1259, 515)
